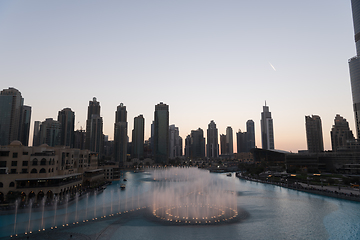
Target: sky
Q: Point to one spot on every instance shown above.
(207, 59)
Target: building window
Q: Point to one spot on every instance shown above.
(2, 163)
(34, 170)
(13, 163)
(25, 163)
(43, 162)
(35, 162)
(42, 170)
(2, 171)
(4, 153)
(1, 185)
(15, 155)
(13, 171)
(12, 184)
(25, 153)
(24, 170)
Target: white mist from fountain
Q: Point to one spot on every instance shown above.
(193, 196)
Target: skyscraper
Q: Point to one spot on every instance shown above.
(314, 135)
(175, 142)
(94, 128)
(340, 133)
(138, 137)
(14, 117)
(196, 144)
(223, 144)
(250, 135)
(120, 135)
(241, 139)
(354, 65)
(50, 132)
(229, 141)
(36, 134)
(212, 146)
(67, 119)
(267, 130)
(161, 133)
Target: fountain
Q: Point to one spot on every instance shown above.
(193, 196)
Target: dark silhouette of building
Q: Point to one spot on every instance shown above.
(50, 132)
(94, 128)
(14, 117)
(67, 119)
(212, 146)
(250, 135)
(195, 144)
(138, 137)
(79, 139)
(161, 133)
(175, 142)
(223, 144)
(314, 134)
(267, 129)
(242, 144)
(120, 135)
(340, 133)
(229, 141)
(36, 134)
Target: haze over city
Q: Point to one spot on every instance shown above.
(207, 60)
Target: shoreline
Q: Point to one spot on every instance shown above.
(328, 191)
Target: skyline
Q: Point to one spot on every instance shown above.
(205, 66)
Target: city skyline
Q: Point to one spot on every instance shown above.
(155, 54)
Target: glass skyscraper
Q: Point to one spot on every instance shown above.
(354, 65)
(267, 130)
(161, 133)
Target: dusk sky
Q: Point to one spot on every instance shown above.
(208, 60)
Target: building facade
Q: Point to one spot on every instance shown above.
(138, 137)
(229, 141)
(340, 133)
(212, 146)
(354, 66)
(241, 139)
(14, 117)
(161, 133)
(267, 129)
(120, 135)
(250, 135)
(314, 136)
(175, 142)
(94, 128)
(50, 132)
(67, 119)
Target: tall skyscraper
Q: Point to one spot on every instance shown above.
(229, 141)
(223, 144)
(267, 130)
(161, 133)
(340, 133)
(50, 132)
(36, 138)
(67, 119)
(175, 142)
(212, 146)
(314, 134)
(14, 117)
(241, 139)
(196, 144)
(354, 65)
(250, 135)
(138, 137)
(120, 135)
(25, 125)
(94, 128)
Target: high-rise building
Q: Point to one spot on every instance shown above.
(314, 134)
(120, 135)
(223, 144)
(187, 146)
(50, 132)
(340, 133)
(241, 139)
(36, 134)
(161, 133)
(250, 135)
(138, 137)
(195, 144)
(354, 66)
(67, 119)
(94, 128)
(14, 117)
(175, 142)
(267, 130)
(79, 139)
(212, 146)
(229, 141)
(25, 125)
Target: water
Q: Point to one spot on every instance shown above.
(273, 213)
